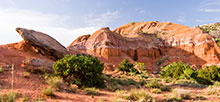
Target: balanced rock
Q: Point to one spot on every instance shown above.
(43, 43)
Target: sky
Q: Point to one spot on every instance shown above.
(65, 20)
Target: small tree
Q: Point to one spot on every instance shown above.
(178, 70)
(126, 66)
(83, 70)
(208, 75)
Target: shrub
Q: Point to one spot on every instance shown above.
(92, 91)
(189, 83)
(48, 92)
(199, 97)
(208, 75)
(116, 83)
(72, 88)
(25, 99)
(118, 100)
(178, 70)
(157, 91)
(218, 41)
(120, 93)
(185, 96)
(100, 100)
(1, 70)
(55, 82)
(26, 74)
(10, 97)
(126, 66)
(153, 84)
(83, 70)
(165, 88)
(167, 80)
(212, 90)
(136, 95)
(39, 100)
(141, 67)
(113, 86)
(173, 99)
(216, 84)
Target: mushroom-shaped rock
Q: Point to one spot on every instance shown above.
(43, 43)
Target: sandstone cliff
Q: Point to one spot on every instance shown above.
(153, 43)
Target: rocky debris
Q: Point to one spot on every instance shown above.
(5, 66)
(42, 43)
(37, 64)
(149, 42)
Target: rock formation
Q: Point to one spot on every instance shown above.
(212, 29)
(42, 43)
(38, 51)
(151, 43)
(38, 64)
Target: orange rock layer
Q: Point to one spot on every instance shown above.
(149, 42)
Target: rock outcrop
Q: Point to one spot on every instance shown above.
(42, 43)
(212, 29)
(149, 42)
(38, 64)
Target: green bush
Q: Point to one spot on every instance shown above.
(178, 70)
(218, 41)
(142, 69)
(208, 75)
(83, 70)
(126, 66)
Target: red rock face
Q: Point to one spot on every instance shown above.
(149, 42)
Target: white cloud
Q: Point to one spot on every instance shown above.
(101, 19)
(181, 19)
(210, 10)
(54, 25)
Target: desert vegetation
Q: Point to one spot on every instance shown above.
(133, 82)
(177, 82)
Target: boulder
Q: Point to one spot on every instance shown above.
(38, 64)
(43, 43)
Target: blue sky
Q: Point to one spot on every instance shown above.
(65, 20)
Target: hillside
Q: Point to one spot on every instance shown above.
(151, 43)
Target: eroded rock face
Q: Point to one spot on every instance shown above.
(38, 64)
(149, 42)
(42, 43)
